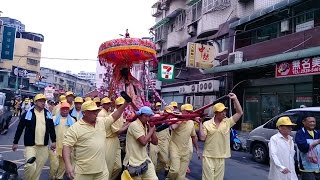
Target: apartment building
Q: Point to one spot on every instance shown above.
(20, 73)
(63, 82)
(265, 50)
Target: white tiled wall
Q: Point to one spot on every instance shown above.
(245, 9)
(259, 4)
(212, 20)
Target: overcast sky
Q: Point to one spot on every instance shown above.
(76, 28)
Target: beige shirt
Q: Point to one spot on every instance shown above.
(136, 153)
(60, 129)
(89, 144)
(40, 127)
(103, 113)
(181, 136)
(217, 143)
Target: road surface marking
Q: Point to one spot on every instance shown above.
(13, 122)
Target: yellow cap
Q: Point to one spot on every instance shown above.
(89, 106)
(105, 100)
(219, 107)
(62, 98)
(39, 96)
(69, 93)
(96, 99)
(78, 100)
(158, 104)
(173, 104)
(168, 109)
(284, 121)
(188, 107)
(87, 99)
(120, 101)
(182, 107)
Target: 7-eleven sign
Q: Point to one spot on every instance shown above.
(165, 72)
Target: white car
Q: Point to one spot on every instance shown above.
(258, 139)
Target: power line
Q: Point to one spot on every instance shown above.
(57, 58)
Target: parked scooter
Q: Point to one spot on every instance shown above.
(10, 169)
(235, 142)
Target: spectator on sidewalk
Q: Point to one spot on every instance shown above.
(281, 150)
(308, 139)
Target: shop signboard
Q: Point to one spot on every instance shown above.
(307, 66)
(200, 56)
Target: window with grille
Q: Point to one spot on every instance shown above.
(32, 62)
(34, 50)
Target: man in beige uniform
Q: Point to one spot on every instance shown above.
(136, 145)
(216, 134)
(159, 154)
(180, 148)
(113, 128)
(62, 122)
(87, 137)
(56, 109)
(38, 125)
(70, 98)
(76, 112)
(106, 104)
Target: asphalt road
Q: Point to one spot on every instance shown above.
(239, 166)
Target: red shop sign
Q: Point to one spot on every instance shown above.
(301, 67)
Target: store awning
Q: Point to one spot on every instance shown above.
(281, 5)
(161, 22)
(315, 51)
(191, 2)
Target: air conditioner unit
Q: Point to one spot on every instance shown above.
(192, 30)
(209, 86)
(194, 88)
(235, 57)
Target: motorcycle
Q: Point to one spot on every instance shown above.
(10, 169)
(235, 142)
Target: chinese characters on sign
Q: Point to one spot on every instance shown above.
(300, 67)
(200, 55)
(8, 40)
(165, 72)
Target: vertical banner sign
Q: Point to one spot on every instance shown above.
(165, 72)
(200, 56)
(8, 40)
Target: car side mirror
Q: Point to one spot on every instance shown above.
(31, 160)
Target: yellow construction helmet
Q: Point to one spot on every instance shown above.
(87, 99)
(78, 100)
(120, 101)
(96, 99)
(173, 104)
(105, 100)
